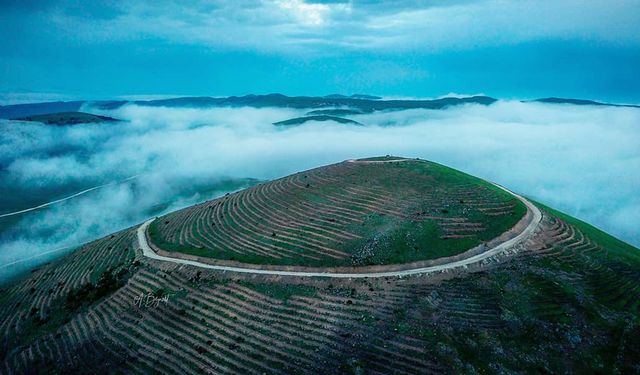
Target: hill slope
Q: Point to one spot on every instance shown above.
(565, 301)
(361, 212)
(334, 112)
(302, 120)
(67, 118)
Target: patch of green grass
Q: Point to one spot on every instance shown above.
(282, 291)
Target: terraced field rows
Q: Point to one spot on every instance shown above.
(607, 279)
(224, 328)
(249, 324)
(35, 303)
(323, 214)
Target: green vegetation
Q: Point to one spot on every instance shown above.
(528, 314)
(61, 310)
(383, 158)
(302, 120)
(89, 293)
(349, 214)
(282, 291)
(568, 302)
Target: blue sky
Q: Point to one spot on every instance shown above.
(525, 49)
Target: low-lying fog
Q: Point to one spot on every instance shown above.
(583, 160)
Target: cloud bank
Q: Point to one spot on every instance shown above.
(583, 160)
(300, 26)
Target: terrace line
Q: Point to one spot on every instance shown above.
(503, 247)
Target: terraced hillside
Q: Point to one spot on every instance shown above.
(566, 300)
(359, 212)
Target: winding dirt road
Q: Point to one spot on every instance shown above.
(504, 247)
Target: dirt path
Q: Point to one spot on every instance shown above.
(534, 221)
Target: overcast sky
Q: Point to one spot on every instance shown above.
(525, 49)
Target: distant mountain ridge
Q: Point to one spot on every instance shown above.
(68, 118)
(555, 100)
(302, 102)
(360, 103)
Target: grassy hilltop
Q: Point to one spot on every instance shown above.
(567, 301)
(353, 213)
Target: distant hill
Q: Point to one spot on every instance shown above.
(302, 120)
(365, 97)
(354, 96)
(581, 102)
(67, 118)
(34, 109)
(301, 102)
(358, 102)
(335, 112)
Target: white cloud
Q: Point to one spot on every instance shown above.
(583, 160)
(311, 14)
(302, 26)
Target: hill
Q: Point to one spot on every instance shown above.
(354, 96)
(302, 120)
(364, 212)
(67, 118)
(35, 109)
(562, 298)
(582, 102)
(279, 100)
(335, 112)
(362, 103)
(358, 103)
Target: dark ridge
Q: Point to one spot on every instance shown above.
(365, 97)
(354, 96)
(279, 100)
(108, 104)
(361, 103)
(34, 109)
(302, 120)
(335, 112)
(330, 103)
(554, 100)
(68, 118)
